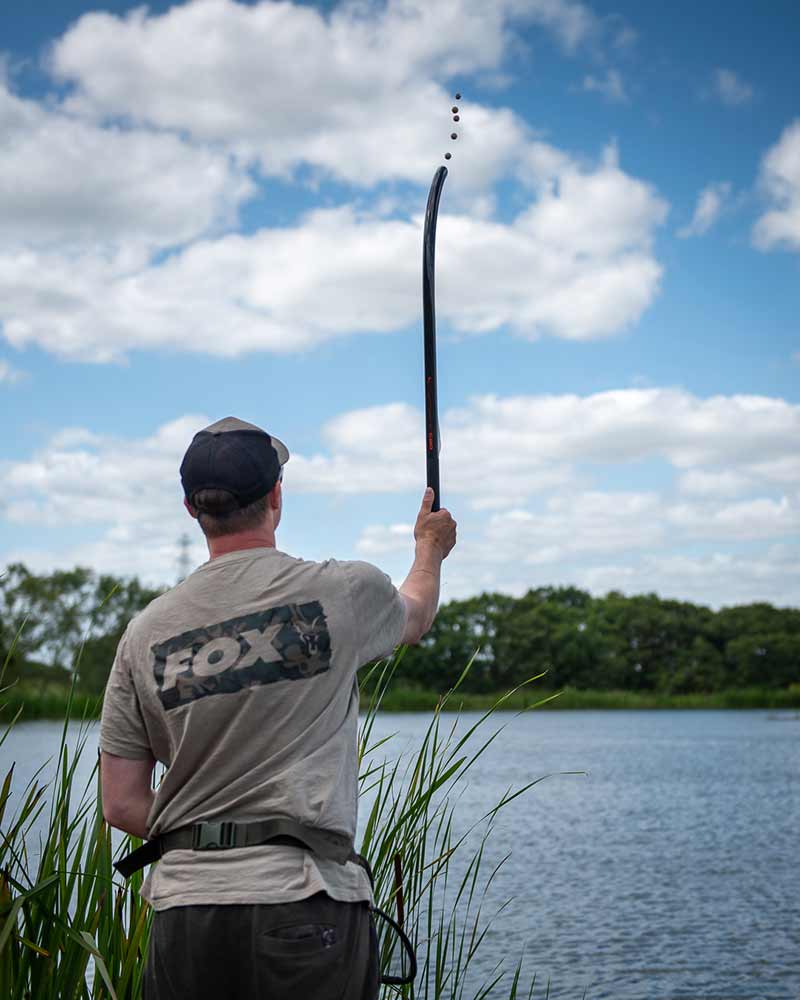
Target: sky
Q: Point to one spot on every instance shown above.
(215, 209)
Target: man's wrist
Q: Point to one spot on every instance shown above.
(428, 555)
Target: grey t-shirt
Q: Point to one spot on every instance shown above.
(242, 681)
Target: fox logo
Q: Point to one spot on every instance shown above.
(287, 643)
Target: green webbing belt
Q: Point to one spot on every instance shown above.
(221, 836)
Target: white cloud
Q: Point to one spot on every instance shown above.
(710, 203)
(730, 88)
(157, 133)
(603, 522)
(531, 519)
(67, 183)
(745, 520)
(575, 523)
(529, 446)
(378, 539)
(639, 551)
(718, 578)
(81, 477)
(334, 105)
(720, 483)
(538, 511)
(365, 95)
(780, 181)
(573, 23)
(577, 264)
(629, 425)
(611, 86)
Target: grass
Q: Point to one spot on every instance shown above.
(408, 699)
(57, 702)
(60, 906)
(64, 911)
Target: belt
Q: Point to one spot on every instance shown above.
(225, 834)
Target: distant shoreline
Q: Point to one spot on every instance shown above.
(52, 704)
(416, 700)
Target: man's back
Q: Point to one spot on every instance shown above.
(242, 681)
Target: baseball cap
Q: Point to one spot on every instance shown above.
(235, 456)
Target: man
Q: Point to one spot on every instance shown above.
(242, 681)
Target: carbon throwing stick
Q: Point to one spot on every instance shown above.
(432, 443)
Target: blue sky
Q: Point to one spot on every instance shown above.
(215, 209)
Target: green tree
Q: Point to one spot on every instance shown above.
(65, 620)
(47, 614)
(769, 659)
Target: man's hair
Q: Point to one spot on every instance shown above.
(227, 522)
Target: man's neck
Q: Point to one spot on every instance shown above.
(261, 539)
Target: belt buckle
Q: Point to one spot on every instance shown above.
(213, 836)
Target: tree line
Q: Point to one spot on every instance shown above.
(66, 624)
(615, 642)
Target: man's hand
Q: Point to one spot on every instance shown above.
(437, 529)
(435, 535)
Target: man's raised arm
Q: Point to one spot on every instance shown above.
(435, 536)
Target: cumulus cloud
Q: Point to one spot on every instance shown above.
(710, 204)
(539, 507)
(720, 483)
(576, 264)
(530, 445)
(82, 477)
(746, 520)
(717, 578)
(575, 523)
(378, 539)
(730, 88)
(364, 96)
(67, 183)
(610, 86)
(127, 245)
(587, 523)
(780, 182)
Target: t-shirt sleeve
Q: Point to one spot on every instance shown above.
(122, 729)
(378, 609)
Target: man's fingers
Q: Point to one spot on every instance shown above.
(427, 501)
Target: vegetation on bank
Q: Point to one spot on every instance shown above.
(72, 929)
(405, 699)
(600, 652)
(56, 703)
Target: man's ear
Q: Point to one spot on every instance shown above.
(191, 510)
(275, 496)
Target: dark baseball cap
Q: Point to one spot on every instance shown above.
(235, 456)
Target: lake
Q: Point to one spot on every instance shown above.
(669, 871)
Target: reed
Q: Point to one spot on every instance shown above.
(71, 928)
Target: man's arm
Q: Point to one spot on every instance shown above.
(127, 795)
(435, 536)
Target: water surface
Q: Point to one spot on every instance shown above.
(669, 872)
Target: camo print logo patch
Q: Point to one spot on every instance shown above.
(289, 643)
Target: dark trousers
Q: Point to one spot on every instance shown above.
(315, 949)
